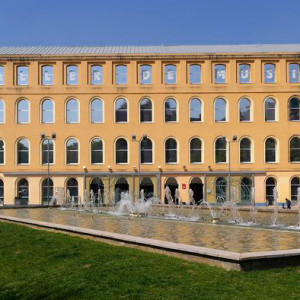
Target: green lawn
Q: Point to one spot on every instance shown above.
(36, 264)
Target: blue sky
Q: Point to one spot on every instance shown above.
(155, 22)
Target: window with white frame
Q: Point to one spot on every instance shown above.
(121, 113)
(23, 111)
(72, 151)
(72, 111)
(170, 151)
(270, 150)
(47, 111)
(195, 150)
(96, 151)
(96, 111)
(220, 110)
(22, 151)
(121, 151)
(245, 150)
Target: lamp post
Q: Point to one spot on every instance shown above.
(234, 139)
(134, 139)
(48, 139)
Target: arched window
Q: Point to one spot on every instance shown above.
(121, 151)
(195, 150)
(47, 75)
(121, 111)
(195, 74)
(96, 151)
(270, 110)
(72, 188)
(170, 74)
(47, 191)
(72, 75)
(220, 110)
(295, 149)
(270, 185)
(148, 187)
(221, 189)
(221, 150)
(2, 115)
(195, 110)
(245, 150)
(220, 73)
(23, 192)
(146, 151)
(171, 151)
(246, 185)
(72, 151)
(96, 75)
(172, 184)
(145, 74)
(1, 152)
(270, 150)
(47, 151)
(22, 75)
(121, 186)
(170, 110)
(121, 74)
(72, 111)
(47, 111)
(245, 110)
(295, 184)
(22, 151)
(1, 75)
(269, 73)
(96, 111)
(244, 73)
(294, 109)
(145, 110)
(1, 192)
(294, 73)
(23, 111)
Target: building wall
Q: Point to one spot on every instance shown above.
(158, 131)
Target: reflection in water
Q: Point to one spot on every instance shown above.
(218, 236)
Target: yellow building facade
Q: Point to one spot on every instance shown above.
(222, 121)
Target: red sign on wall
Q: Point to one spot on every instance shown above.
(183, 186)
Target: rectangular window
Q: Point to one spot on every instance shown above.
(170, 74)
(294, 73)
(96, 75)
(121, 74)
(47, 75)
(72, 75)
(22, 75)
(145, 74)
(195, 74)
(220, 74)
(244, 73)
(1, 75)
(269, 73)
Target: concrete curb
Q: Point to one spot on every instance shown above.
(226, 259)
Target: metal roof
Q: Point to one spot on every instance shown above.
(119, 50)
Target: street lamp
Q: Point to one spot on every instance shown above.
(234, 139)
(134, 139)
(48, 139)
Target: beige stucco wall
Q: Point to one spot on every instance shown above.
(158, 131)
